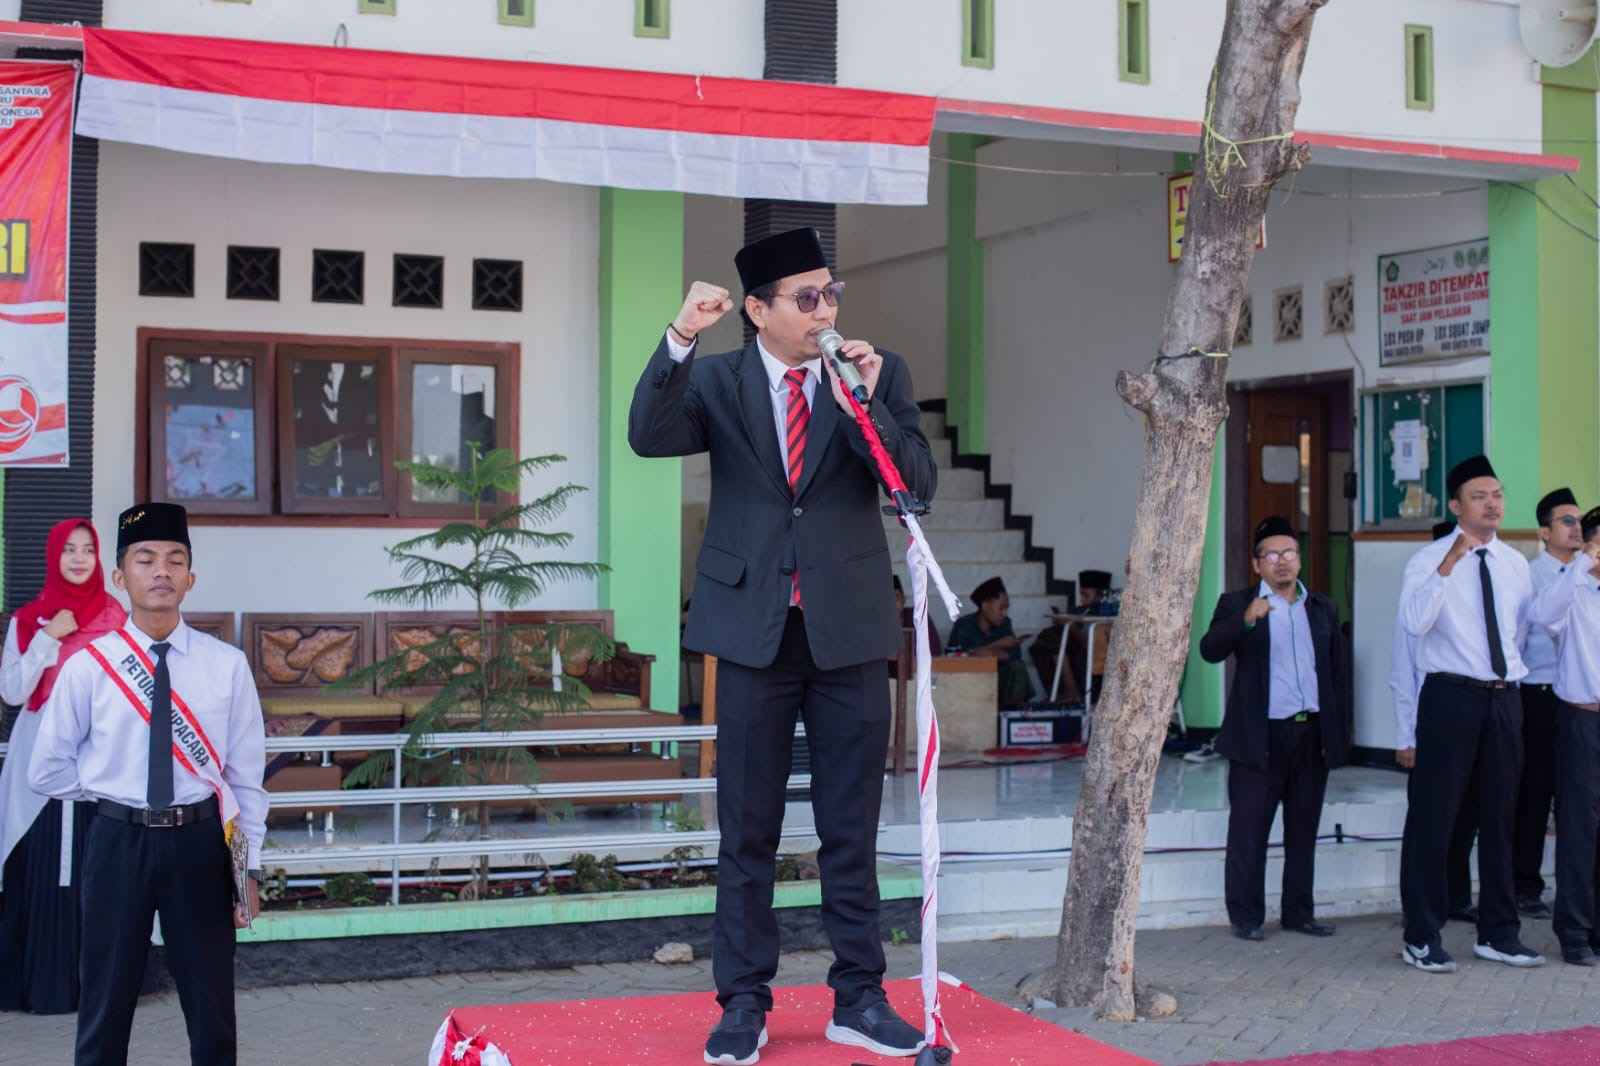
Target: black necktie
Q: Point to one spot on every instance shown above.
(1491, 623)
(158, 792)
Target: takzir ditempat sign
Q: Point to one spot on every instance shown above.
(1433, 303)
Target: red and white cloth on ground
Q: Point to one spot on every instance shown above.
(452, 1047)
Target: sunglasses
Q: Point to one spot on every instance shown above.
(806, 299)
(1568, 520)
(1288, 555)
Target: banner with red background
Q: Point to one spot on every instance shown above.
(35, 171)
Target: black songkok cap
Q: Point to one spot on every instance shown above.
(989, 590)
(1444, 529)
(779, 256)
(1464, 471)
(1094, 579)
(1271, 526)
(1591, 522)
(152, 521)
(1561, 497)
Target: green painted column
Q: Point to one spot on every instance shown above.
(1545, 361)
(1203, 682)
(641, 500)
(964, 304)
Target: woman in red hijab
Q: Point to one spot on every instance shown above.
(41, 842)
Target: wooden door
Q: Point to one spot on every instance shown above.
(1286, 439)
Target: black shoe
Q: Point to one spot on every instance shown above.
(1247, 932)
(1467, 914)
(1578, 954)
(1311, 928)
(738, 1038)
(1431, 958)
(875, 1027)
(1532, 907)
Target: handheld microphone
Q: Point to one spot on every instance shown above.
(830, 341)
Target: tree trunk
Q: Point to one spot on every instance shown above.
(1254, 95)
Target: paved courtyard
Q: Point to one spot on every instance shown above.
(1288, 994)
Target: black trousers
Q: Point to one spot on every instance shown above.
(846, 714)
(1577, 825)
(129, 874)
(1297, 777)
(1537, 789)
(1458, 864)
(1469, 747)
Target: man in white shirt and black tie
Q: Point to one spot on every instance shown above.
(1569, 610)
(160, 727)
(1466, 601)
(1559, 516)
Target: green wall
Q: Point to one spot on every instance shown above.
(964, 306)
(641, 500)
(1542, 293)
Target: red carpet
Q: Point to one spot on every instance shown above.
(1570, 1047)
(671, 1030)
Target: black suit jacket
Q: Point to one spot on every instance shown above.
(1243, 736)
(757, 532)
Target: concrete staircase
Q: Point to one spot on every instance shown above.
(967, 533)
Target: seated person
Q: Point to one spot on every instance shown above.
(987, 631)
(935, 647)
(1092, 587)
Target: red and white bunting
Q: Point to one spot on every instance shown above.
(465, 117)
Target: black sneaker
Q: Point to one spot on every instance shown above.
(1532, 907)
(1511, 952)
(875, 1027)
(738, 1038)
(1429, 957)
(1247, 932)
(1578, 954)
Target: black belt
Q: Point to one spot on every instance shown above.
(1298, 716)
(183, 814)
(1473, 682)
(1537, 687)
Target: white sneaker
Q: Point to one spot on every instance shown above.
(1511, 952)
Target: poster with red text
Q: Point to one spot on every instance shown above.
(35, 168)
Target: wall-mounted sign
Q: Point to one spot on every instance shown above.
(1433, 303)
(1178, 187)
(35, 161)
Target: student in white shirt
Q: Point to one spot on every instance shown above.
(1569, 610)
(159, 726)
(1466, 601)
(1559, 517)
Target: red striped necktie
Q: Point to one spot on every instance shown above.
(799, 418)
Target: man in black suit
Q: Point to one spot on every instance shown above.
(789, 596)
(1287, 722)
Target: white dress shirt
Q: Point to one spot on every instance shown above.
(1445, 614)
(93, 745)
(1405, 681)
(1569, 610)
(20, 805)
(1293, 670)
(779, 388)
(1538, 650)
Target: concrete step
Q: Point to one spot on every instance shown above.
(972, 514)
(933, 424)
(958, 483)
(941, 452)
(975, 545)
(1021, 579)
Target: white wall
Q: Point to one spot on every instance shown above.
(1064, 55)
(720, 37)
(150, 195)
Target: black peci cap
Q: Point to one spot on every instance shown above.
(989, 590)
(1465, 471)
(152, 521)
(1561, 497)
(1271, 526)
(1444, 529)
(1094, 579)
(796, 251)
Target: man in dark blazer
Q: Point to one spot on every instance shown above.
(1287, 723)
(790, 597)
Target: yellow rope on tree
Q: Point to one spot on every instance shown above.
(1219, 163)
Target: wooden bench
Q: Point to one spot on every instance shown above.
(296, 656)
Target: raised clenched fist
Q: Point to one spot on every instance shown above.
(704, 304)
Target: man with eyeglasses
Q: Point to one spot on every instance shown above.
(1286, 724)
(1560, 532)
(1465, 599)
(789, 596)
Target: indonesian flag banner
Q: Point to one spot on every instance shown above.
(35, 168)
(478, 118)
